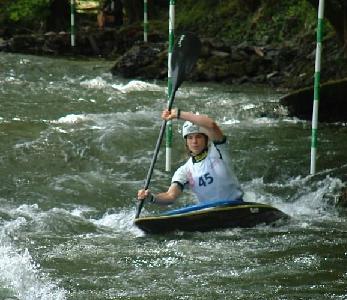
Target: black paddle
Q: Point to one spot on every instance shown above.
(184, 56)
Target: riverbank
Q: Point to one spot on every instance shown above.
(287, 66)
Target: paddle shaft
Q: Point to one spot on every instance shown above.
(184, 56)
(155, 155)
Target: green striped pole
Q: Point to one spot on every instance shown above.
(72, 19)
(169, 84)
(316, 94)
(145, 21)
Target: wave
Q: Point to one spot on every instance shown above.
(303, 198)
(20, 276)
(71, 119)
(95, 83)
(135, 86)
(119, 221)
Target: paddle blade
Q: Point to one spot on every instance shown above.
(184, 56)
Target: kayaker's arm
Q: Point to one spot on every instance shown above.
(212, 129)
(170, 196)
(164, 198)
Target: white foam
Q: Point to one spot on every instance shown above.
(248, 106)
(136, 85)
(96, 83)
(265, 120)
(20, 274)
(310, 200)
(230, 122)
(120, 221)
(24, 61)
(81, 211)
(71, 119)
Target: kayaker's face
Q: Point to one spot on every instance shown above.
(196, 142)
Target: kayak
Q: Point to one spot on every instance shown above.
(211, 216)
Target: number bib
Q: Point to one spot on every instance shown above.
(211, 178)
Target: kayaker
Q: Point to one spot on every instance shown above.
(208, 171)
(110, 14)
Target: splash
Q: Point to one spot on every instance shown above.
(119, 221)
(304, 198)
(136, 85)
(96, 83)
(71, 119)
(22, 277)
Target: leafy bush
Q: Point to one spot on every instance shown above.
(25, 11)
(239, 20)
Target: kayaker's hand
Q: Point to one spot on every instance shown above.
(143, 194)
(169, 114)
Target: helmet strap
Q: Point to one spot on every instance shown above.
(199, 157)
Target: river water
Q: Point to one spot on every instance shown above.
(75, 146)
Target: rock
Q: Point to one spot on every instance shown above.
(56, 43)
(259, 51)
(140, 61)
(3, 45)
(342, 201)
(332, 103)
(221, 54)
(26, 43)
(220, 60)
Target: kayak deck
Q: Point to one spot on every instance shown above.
(211, 216)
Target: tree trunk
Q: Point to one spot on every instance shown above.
(133, 10)
(59, 16)
(335, 11)
(345, 29)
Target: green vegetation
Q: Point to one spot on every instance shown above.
(262, 21)
(238, 20)
(24, 11)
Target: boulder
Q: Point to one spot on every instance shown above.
(144, 60)
(342, 201)
(332, 103)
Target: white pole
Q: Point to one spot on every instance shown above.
(72, 19)
(145, 21)
(169, 87)
(316, 96)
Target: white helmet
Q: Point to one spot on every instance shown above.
(189, 127)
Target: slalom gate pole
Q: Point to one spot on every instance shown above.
(169, 87)
(72, 23)
(145, 21)
(316, 96)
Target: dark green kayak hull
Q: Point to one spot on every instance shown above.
(232, 215)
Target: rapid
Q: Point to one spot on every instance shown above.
(75, 146)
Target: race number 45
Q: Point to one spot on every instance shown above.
(205, 179)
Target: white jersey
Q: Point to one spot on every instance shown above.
(212, 178)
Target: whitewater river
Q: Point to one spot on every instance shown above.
(75, 146)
